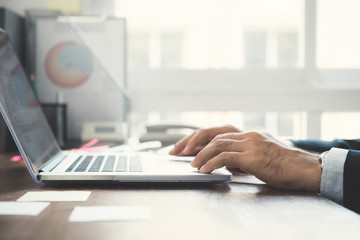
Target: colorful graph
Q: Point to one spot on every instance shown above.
(68, 64)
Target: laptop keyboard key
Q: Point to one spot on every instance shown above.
(83, 165)
(135, 164)
(109, 165)
(95, 167)
(73, 165)
(121, 165)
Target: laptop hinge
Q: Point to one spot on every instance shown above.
(52, 163)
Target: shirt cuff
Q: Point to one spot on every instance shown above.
(332, 177)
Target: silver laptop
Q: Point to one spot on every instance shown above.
(47, 162)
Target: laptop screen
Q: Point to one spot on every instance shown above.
(21, 110)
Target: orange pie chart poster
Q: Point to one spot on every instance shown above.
(68, 64)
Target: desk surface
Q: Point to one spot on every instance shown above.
(243, 209)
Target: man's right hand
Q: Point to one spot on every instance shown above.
(195, 142)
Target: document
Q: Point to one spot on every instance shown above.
(109, 213)
(55, 196)
(22, 208)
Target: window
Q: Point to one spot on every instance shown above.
(216, 34)
(138, 50)
(338, 34)
(284, 124)
(278, 64)
(171, 49)
(340, 125)
(255, 49)
(288, 50)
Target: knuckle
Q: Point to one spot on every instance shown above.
(221, 136)
(254, 134)
(221, 143)
(217, 137)
(225, 156)
(250, 142)
(218, 142)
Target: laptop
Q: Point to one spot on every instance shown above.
(45, 160)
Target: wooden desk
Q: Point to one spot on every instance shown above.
(243, 209)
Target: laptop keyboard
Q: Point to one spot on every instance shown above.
(95, 167)
(84, 164)
(109, 163)
(72, 166)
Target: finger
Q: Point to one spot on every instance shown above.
(203, 136)
(198, 149)
(228, 159)
(179, 146)
(233, 136)
(190, 144)
(217, 147)
(193, 152)
(200, 138)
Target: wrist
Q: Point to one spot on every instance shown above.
(313, 172)
(301, 171)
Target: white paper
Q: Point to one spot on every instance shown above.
(181, 158)
(109, 213)
(55, 196)
(22, 208)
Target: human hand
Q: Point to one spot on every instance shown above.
(270, 160)
(195, 142)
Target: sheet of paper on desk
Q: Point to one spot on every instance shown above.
(109, 213)
(55, 196)
(22, 208)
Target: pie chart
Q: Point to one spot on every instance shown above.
(68, 64)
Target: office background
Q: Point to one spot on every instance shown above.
(289, 66)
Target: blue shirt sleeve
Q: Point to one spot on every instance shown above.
(322, 146)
